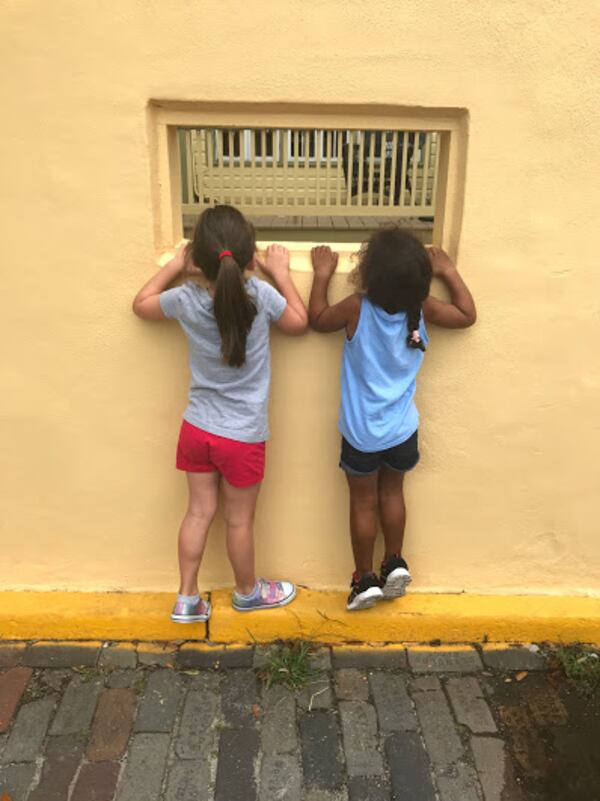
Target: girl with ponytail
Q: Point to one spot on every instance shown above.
(383, 352)
(222, 439)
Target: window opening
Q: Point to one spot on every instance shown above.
(301, 181)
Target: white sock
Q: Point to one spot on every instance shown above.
(250, 594)
(188, 599)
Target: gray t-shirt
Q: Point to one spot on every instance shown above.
(228, 401)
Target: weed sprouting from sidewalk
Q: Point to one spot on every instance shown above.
(289, 665)
(582, 666)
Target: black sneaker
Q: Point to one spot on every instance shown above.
(365, 593)
(395, 577)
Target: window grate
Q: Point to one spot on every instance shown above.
(293, 171)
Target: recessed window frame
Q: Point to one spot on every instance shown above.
(165, 117)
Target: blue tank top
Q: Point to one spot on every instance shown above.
(379, 373)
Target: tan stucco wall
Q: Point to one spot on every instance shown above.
(506, 496)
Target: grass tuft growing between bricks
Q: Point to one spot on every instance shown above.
(289, 665)
(581, 665)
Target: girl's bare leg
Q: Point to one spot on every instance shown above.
(363, 519)
(392, 509)
(239, 508)
(203, 500)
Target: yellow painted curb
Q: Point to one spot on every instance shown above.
(92, 616)
(316, 616)
(322, 617)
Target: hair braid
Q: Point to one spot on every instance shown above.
(413, 318)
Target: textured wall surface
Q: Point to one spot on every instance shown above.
(506, 496)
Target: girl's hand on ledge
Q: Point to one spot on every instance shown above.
(324, 261)
(276, 264)
(441, 263)
(181, 260)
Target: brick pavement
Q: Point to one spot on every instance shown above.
(120, 723)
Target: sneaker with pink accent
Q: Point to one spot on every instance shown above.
(265, 595)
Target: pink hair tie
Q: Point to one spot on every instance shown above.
(224, 253)
(415, 336)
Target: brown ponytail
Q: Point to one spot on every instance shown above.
(223, 228)
(234, 311)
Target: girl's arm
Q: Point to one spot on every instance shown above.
(322, 316)
(460, 312)
(146, 303)
(276, 265)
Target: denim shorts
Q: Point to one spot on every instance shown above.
(401, 457)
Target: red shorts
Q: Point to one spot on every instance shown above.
(241, 464)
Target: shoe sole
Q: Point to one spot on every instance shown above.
(192, 619)
(278, 605)
(365, 600)
(396, 583)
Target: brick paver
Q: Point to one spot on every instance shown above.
(12, 686)
(279, 728)
(238, 750)
(29, 731)
(16, 780)
(126, 727)
(280, 778)
(438, 660)
(394, 708)
(321, 750)
(160, 703)
(359, 726)
(144, 771)
(351, 684)
(77, 706)
(96, 781)
(196, 734)
(112, 725)
(470, 707)
(11, 653)
(189, 780)
(61, 759)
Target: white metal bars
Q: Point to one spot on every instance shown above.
(293, 171)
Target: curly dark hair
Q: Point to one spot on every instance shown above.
(394, 272)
